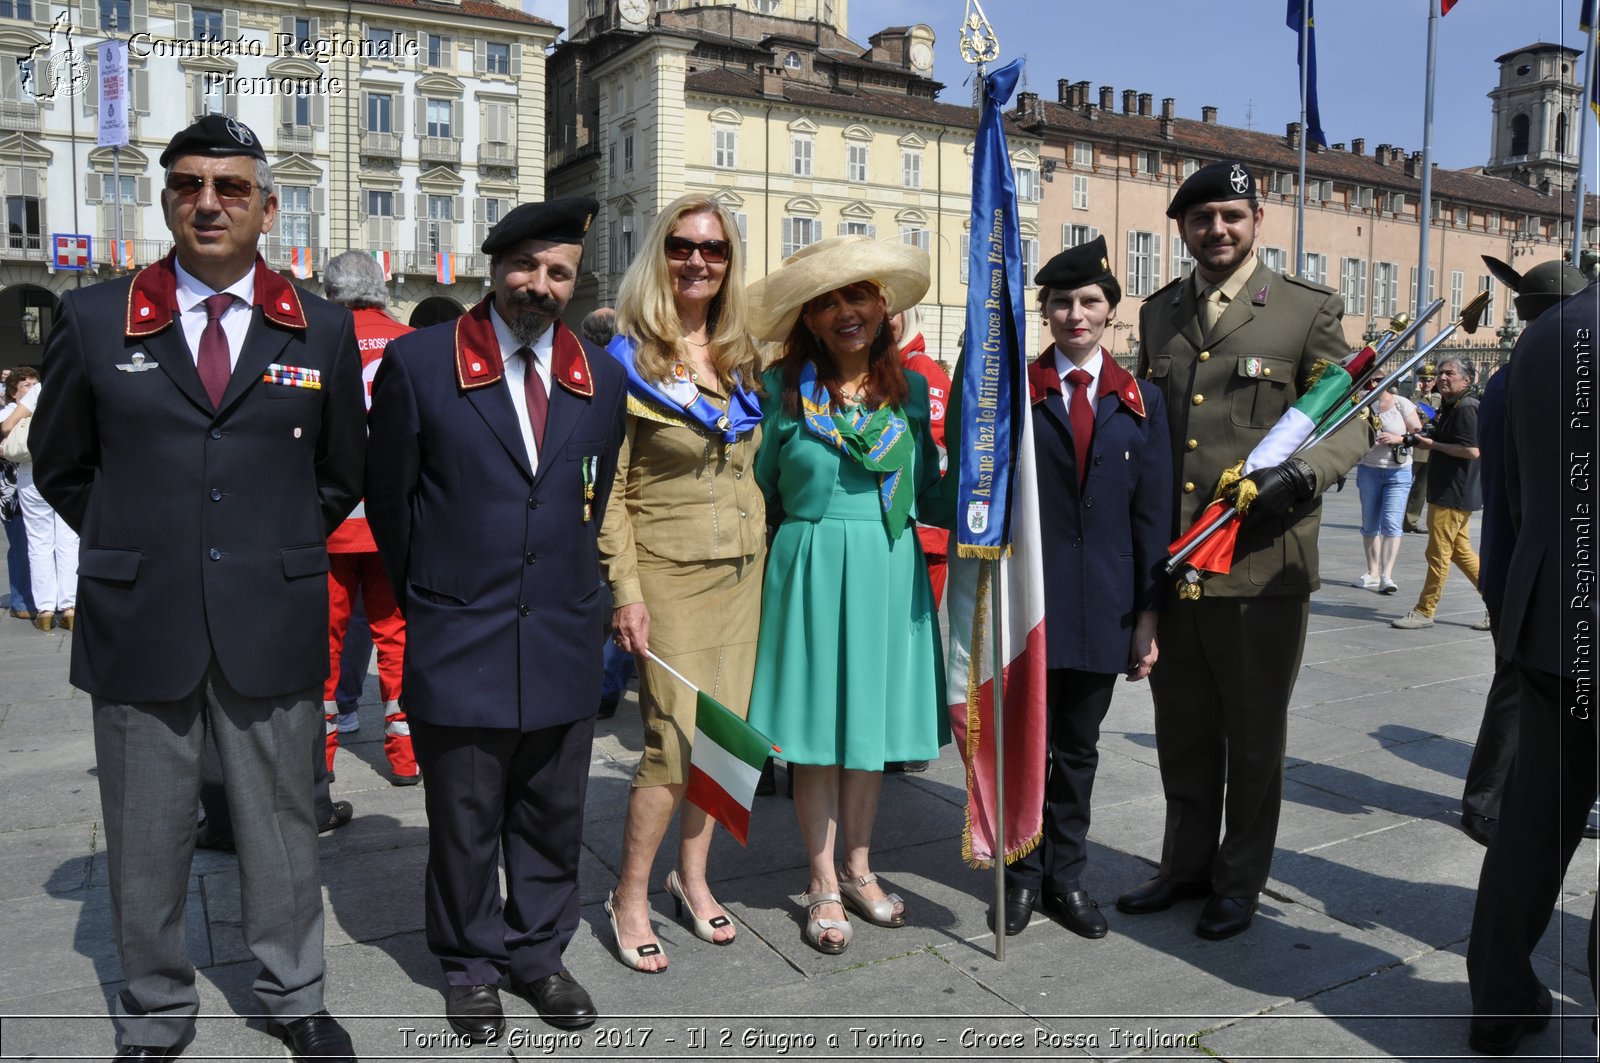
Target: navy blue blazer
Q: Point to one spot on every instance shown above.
(1104, 543)
(495, 566)
(204, 529)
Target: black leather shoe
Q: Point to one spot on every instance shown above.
(561, 1001)
(207, 838)
(1223, 917)
(1159, 894)
(474, 1012)
(1079, 911)
(342, 811)
(1479, 828)
(146, 1052)
(317, 1038)
(1019, 909)
(1500, 1037)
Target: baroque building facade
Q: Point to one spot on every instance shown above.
(403, 127)
(770, 107)
(1111, 162)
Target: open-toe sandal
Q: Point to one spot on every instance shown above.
(816, 927)
(704, 929)
(631, 957)
(880, 912)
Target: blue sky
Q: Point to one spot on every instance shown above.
(1239, 56)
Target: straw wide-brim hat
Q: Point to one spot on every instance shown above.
(899, 269)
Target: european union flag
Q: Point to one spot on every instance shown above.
(1296, 22)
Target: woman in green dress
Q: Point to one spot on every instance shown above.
(849, 672)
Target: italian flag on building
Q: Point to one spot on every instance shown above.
(725, 764)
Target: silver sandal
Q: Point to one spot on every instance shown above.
(879, 912)
(815, 927)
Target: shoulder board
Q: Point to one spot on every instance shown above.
(1300, 282)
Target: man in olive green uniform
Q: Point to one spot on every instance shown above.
(1231, 348)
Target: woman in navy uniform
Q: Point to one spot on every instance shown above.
(1105, 475)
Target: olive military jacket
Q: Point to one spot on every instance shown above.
(1225, 391)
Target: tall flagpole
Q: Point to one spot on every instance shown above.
(979, 45)
(1305, 82)
(1580, 188)
(1425, 208)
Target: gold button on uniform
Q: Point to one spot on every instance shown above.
(1205, 356)
(1267, 371)
(1188, 488)
(1198, 400)
(1193, 443)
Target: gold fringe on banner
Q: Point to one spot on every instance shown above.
(980, 614)
(983, 553)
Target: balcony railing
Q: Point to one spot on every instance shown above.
(19, 117)
(440, 149)
(296, 138)
(492, 154)
(422, 264)
(380, 145)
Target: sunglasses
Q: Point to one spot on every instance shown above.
(680, 250)
(189, 186)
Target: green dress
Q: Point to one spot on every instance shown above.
(849, 668)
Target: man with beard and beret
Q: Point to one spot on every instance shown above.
(204, 450)
(493, 445)
(1231, 348)
(1105, 481)
(1546, 620)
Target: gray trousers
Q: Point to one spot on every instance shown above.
(149, 758)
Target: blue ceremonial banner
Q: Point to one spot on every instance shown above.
(1300, 14)
(994, 366)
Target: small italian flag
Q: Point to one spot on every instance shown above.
(1330, 386)
(725, 761)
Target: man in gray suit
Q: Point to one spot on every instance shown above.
(204, 450)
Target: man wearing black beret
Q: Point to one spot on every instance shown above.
(1231, 348)
(204, 451)
(494, 444)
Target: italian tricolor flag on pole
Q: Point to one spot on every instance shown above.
(1295, 430)
(725, 760)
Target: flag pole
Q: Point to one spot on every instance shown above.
(1580, 188)
(1425, 208)
(1300, 204)
(673, 672)
(979, 45)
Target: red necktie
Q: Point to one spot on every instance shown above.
(538, 399)
(214, 364)
(1082, 418)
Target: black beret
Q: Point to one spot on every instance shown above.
(215, 134)
(1076, 267)
(560, 221)
(1211, 184)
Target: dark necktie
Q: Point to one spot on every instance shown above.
(1082, 418)
(213, 362)
(538, 399)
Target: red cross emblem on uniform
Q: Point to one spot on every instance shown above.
(71, 251)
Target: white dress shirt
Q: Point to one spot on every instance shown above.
(516, 372)
(1092, 367)
(192, 294)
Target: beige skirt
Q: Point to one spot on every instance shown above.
(704, 617)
